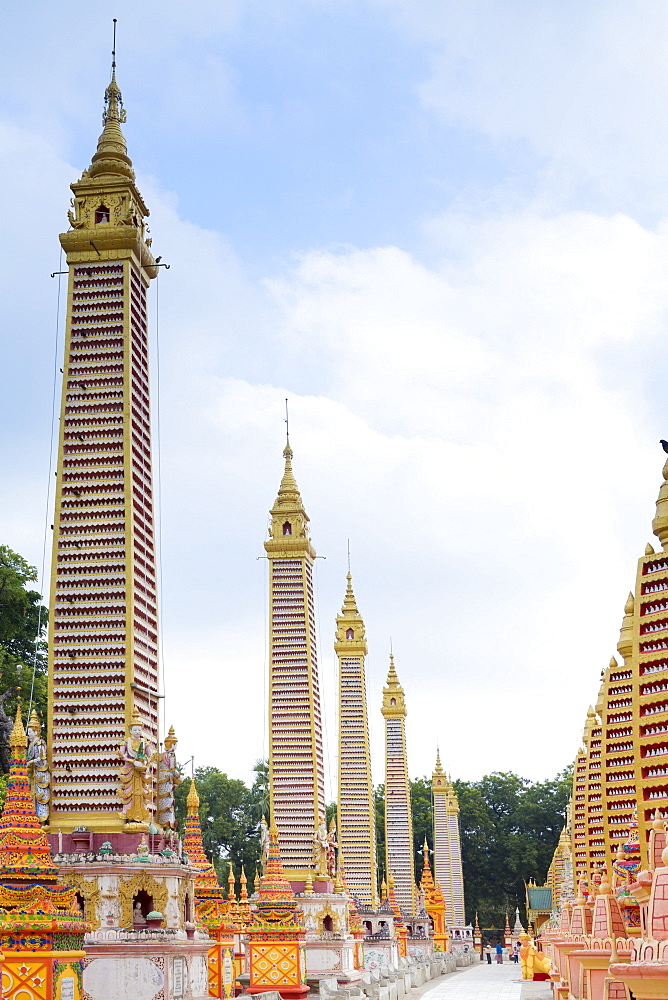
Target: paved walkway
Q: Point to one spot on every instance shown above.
(487, 982)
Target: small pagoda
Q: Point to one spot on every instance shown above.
(41, 925)
(276, 959)
(211, 909)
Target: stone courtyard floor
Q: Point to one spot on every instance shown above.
(486, 982)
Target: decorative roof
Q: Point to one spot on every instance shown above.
(393, 694)
(276, 899)
(540, 898)
(350, 617)
(206, 882)
(25, 855)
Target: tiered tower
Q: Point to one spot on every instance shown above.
(356, 812)
(631, 739)
(588, 830)
(296, 774)
(447, 845)
(103, 631)
(398, 812)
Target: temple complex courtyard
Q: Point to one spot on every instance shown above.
(487, 982)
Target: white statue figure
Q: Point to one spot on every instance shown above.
(37, 763)
(321, 846)
(264, 843)
(169, 777)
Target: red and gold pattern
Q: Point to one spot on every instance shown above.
(24, 849)
(41, 926)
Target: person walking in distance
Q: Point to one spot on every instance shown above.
(499, 953)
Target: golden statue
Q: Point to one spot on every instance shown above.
(37, 763)
(136, 754)
(532, 960)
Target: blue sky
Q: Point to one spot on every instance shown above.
(440, 229)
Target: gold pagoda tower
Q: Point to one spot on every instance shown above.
(296, 773)
(398, 812)
(588, 829)
(447, 845)
(622, 767)
(356, 810)
(103, 627)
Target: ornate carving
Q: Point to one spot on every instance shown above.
(129, 888)
(89, 891)
(322, 915)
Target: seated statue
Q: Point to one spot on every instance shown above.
(532, 960)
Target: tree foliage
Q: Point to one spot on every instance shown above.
(230, 815)
(23, 622)
(509, 830)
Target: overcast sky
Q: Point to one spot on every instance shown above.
(441, 230)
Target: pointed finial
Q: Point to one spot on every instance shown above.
(18, 738)
(439, 767)
(613, 663)
(349, 558)
(193, 798)
(287, 426)
(649, 549)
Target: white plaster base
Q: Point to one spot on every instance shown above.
(151, 970)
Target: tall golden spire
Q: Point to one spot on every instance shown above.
(356, 814)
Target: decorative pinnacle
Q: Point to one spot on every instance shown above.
(439, 767)
(18, 738)
(112, 151)
(393, 693)
(193, 798)
(34, 722)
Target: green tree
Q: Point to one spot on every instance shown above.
(23, 621)
(509, 829)
(229, 817)
(423, 820)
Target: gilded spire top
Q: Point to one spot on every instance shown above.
(18, 739)
(394, 702)
(193, 798)
(439, 767)
(112, 151)
(350, 624)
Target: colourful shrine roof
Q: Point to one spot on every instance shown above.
(206, 881)
(275, 894)
(25, 855)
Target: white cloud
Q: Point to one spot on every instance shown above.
(582, 86)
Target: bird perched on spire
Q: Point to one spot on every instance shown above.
(664, 445)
